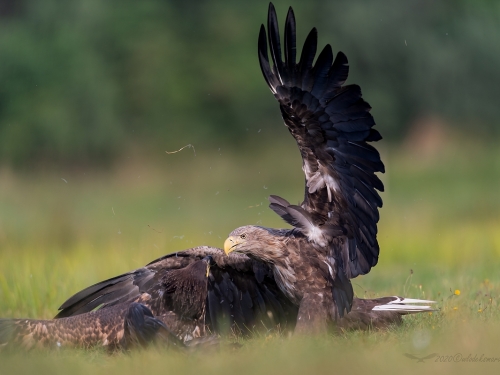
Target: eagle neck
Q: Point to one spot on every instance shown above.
(272, 255)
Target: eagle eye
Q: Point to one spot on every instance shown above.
(243, 236)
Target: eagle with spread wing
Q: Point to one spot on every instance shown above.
(271, 279)
(334, 235)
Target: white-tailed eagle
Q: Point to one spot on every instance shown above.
(334, 235)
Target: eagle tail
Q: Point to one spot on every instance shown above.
(406, 306)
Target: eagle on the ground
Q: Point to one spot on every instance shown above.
(264, 279)
(182, 300)
(177, 298)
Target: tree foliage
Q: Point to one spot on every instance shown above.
(79, 78)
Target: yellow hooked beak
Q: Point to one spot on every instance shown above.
(231, 243)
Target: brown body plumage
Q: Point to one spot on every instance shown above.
(122, 326)
(104, 327)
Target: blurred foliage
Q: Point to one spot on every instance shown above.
(81, 79)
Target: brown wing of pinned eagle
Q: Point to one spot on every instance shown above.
(177, 298)
(335, 227)
(183, 298)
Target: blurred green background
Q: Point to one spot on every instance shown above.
(92, 94)
(82, 80)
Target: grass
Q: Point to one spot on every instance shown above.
(62, 230)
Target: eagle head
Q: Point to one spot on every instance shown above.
(261, 243)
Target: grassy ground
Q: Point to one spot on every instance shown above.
(61, 231)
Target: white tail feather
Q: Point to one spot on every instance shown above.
(400, 300)
(403, 305)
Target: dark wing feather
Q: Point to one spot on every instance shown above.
(131, 285)
(332, 125)
(290, 44)
(108, 293)
(241, 293)
(237, 302)
(142, 328)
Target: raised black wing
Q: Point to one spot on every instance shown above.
(240, 292)
(333, 126)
